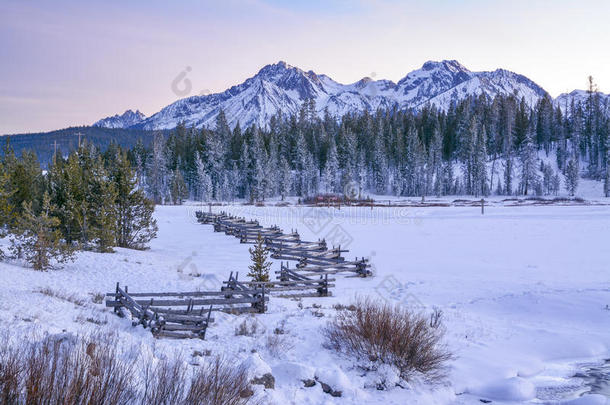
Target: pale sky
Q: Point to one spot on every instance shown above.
(71, 62)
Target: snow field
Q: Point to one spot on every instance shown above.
(523, 292)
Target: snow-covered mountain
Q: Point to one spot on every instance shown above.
(564, 100)
(281, 87)
(128, 119)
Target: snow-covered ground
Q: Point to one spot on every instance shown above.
(523, 290)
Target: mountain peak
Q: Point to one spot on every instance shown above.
(127, 119)
(451, 65)
(275, 68)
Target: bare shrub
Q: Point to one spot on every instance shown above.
(10, 372)
(392, 335)
(280, 329)
(341, 307)
(74, 371)
(97, 298)
(436, 318)
(62, 296)
(66, 371)
(164, 382)
(219, 383)
(248, 327)
(278, 344)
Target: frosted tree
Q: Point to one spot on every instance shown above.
(178, 190)
(379, 169)
(347, 156)
(215, 159)
(257, 172)
(271, 173)
(156, 171)
(299, 162)
(467, 152)
(310, 175)
(547, 178)
(556, 184)
(243, 168)
(481, 180)
(508, 176)
(413, 153)
(361, 173)
(448, 179)
(204, 182)
(284, 178)
(330, 177)
(572, 176)
(436, 163)
(475, 156)
(607, 175)
(529, 174)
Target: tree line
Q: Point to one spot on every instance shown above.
(478, 146)
(87, 200)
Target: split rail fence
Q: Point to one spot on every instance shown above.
(188, 314)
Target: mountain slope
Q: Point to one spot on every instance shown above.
(281, 87)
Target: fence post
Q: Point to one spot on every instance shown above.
(482, 206)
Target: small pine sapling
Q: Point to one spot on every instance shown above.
(259, 269)
(38, 238)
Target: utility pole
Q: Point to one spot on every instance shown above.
(54, 150)
(79, 135)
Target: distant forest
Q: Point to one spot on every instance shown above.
(44, 144)
(478, 147)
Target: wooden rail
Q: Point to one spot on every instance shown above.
(184, 314)
(289, 285)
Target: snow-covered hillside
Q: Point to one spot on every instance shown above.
(523, 290)
(281, 87)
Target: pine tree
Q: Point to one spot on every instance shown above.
(37, 238)
(7, 210)
(556, 182)
(331, 175)
(572, 176)
(436, 164)
(529, 176)
(102, 215)
(178, 189)
(379, 173)
(259, 269)
(508, 176)
(607, 176)
(135, 223)
(547, 178)
(204, 181)
(156, 171)
(284, 178)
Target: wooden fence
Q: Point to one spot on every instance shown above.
(289, 284)
(184, 314)
(312, 257)
(188, 314)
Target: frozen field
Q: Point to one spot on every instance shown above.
(523, 290)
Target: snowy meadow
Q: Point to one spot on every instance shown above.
(523, 292)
